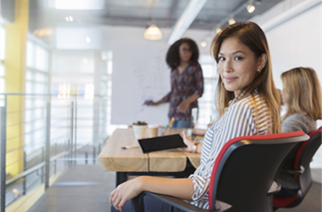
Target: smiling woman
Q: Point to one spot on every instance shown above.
(246, 101)
(238, 65)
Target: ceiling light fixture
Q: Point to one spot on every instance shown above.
(153, 33)
(43, 32)
(203, 43)
(218, 30)
(231, 21)
(71, 18)
(186, 19)
(250, 6)
(88, 40)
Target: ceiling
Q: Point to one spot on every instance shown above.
(141, 13)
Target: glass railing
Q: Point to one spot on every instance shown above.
(43, 135)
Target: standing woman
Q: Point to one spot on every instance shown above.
(246, 102)
(303, 99)
(186, 82)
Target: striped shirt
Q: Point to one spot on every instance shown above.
(240, 119)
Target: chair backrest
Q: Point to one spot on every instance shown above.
(304, 157)
(246, 167)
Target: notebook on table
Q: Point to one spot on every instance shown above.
(161, 143)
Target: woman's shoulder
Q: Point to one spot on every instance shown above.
(299, 119)
(249, 101)
(296, 117)
(297, 122)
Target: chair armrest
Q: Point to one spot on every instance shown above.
(176, 202)
(296, 172)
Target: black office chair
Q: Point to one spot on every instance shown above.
(243, 174)
(301, 171)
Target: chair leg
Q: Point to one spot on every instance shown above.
(138, 203)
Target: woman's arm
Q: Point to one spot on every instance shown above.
(199, 87)
(181, 188)
(184, 106)
(152, 103)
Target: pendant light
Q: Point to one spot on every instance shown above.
(153, 33)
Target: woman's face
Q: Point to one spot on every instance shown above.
(185, 52)
(237, 65)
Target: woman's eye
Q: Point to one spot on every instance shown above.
(221, 58)
(238, 58)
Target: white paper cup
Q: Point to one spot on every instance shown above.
(153, 130)
(139, 131)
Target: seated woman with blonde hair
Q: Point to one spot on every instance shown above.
(303, 99)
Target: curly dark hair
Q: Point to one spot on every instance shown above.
(173, 58)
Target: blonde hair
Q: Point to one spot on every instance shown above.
(251, 35)
(303, 93)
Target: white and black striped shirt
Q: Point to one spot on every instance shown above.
(240, 119)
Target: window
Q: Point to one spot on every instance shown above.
(2, 57)
(36, 83)
(106, 82)
(207, 112)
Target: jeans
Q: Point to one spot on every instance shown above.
(150, 205)
(182, 124)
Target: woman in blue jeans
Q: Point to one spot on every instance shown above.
(246, 99)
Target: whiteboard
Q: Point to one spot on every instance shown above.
(139, 73)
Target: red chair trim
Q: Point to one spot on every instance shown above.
(284, 201)
(300, 151)
(234, 140)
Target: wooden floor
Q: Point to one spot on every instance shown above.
(84, 188)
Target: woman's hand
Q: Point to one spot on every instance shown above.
(152, 103)
(183, 106)
(126, 191)
(188, 142)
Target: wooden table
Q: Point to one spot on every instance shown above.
(123, 162)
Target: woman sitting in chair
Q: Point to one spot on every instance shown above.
(303, 99)
(246, 102)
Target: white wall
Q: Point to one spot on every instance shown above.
(295, 42)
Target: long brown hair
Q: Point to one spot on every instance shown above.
(303, 93)
(251, 35)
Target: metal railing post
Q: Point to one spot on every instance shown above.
(3, 122)
(47, 154)
(42, 160)
(75, 130)
(72, 130)
(94, 154)
(24, 168)
(55, 162)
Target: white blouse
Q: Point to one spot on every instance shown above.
(240, 119)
